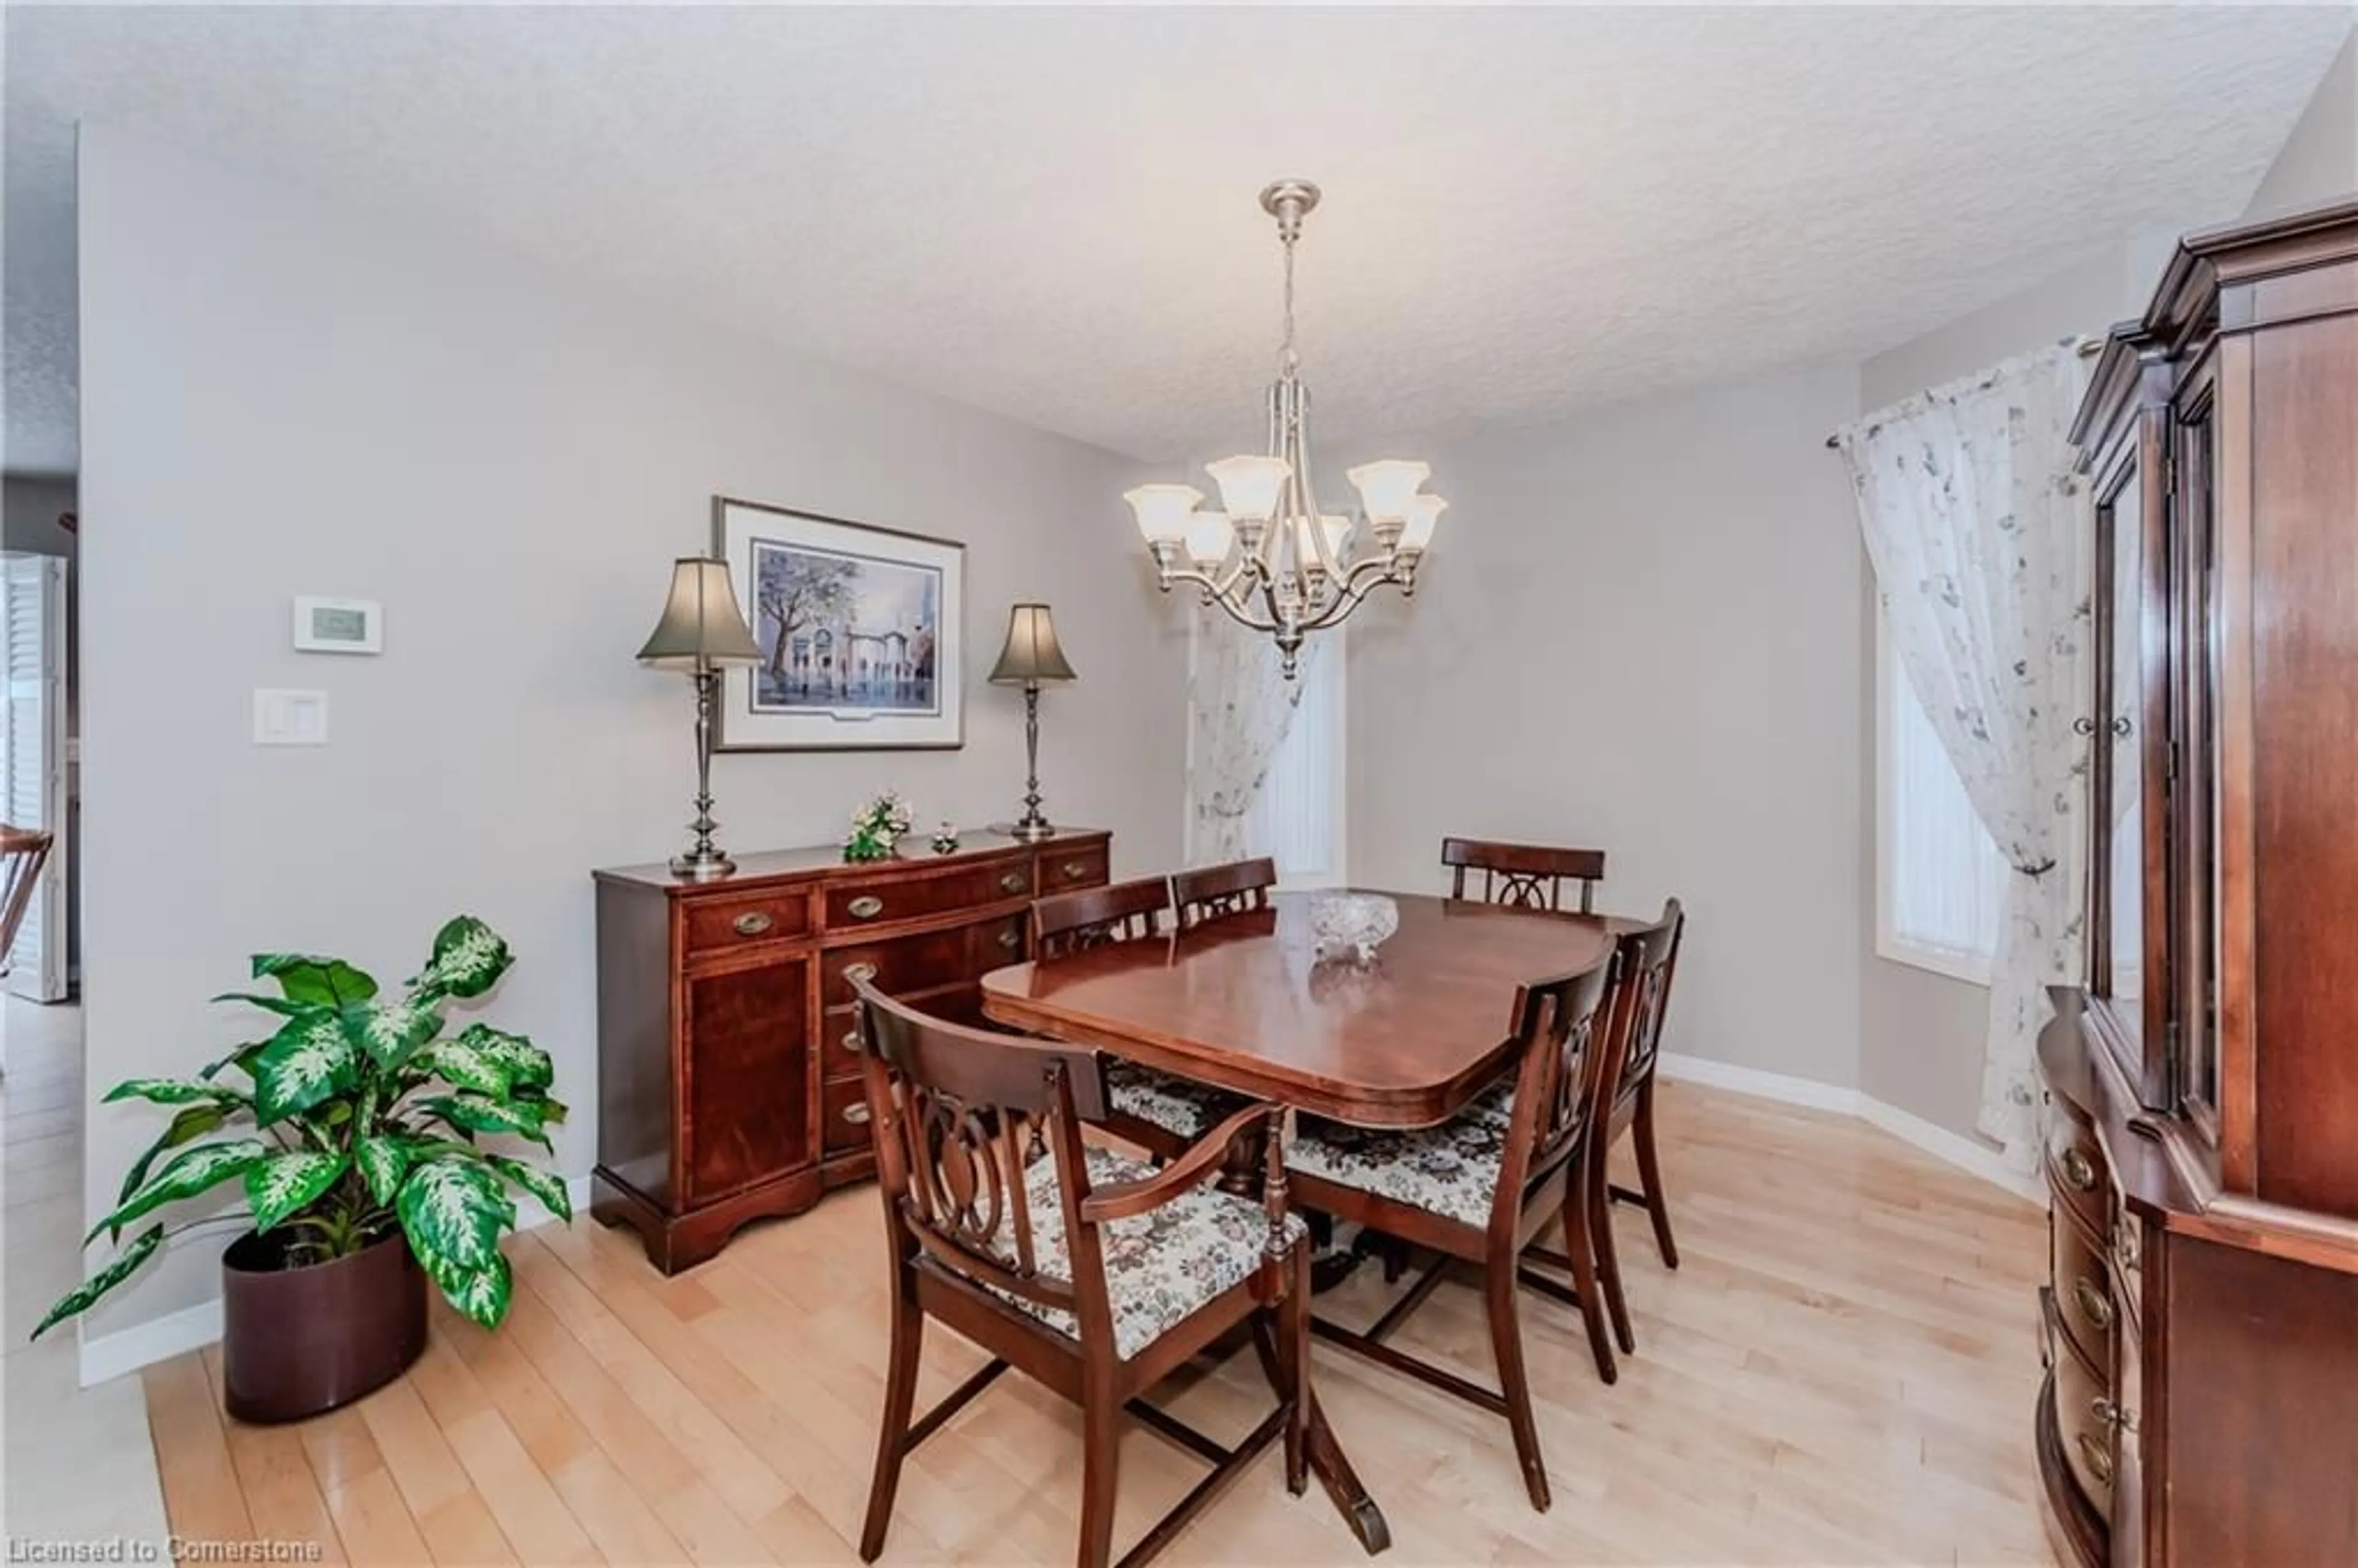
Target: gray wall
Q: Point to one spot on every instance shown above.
(1640, 631)
(2319, 159)
(284, 395)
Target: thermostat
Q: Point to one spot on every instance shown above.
(339, 625)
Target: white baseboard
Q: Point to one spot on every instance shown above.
(1966, 1154)
(1753, 1081)
(108, 1355)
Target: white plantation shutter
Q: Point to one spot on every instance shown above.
(33, 758)
(1298, 815)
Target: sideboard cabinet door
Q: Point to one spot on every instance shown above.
(748, 1072)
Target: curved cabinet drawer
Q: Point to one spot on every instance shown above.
(1061, 871)
(2083, 1290)
(887, 900)
(2083, 1419)
(742, 920)
(2076, 1172)
(902, 963)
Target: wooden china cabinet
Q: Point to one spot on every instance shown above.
(2201, 1323)
(727, 1091)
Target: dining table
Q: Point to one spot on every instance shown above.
(1247, 1003)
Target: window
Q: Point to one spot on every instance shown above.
(1300, 812)
(1939, 878)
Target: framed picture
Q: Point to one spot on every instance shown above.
(862, 633)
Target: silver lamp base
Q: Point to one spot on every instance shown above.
(702, 864)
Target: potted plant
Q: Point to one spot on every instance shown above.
(356, 1137)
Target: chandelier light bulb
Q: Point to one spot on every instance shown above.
(1249, 485)
(1163, 510)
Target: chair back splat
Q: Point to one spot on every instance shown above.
(1068, 923)
(1211, 892)
(1524, 876)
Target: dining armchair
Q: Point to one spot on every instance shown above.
(1159, 1112)
(1526, 876)
(1485, 1187)
(1209, 893)
(1094, 1273)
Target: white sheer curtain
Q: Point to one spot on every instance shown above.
(1977, 529)
(1239, 704)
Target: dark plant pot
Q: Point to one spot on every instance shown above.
(296, 1342)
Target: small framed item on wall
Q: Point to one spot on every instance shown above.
(338, 625)
(862, 632)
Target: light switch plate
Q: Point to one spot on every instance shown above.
(284, 718)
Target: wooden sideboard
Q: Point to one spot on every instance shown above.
(726, 1088)
(2200, 1404)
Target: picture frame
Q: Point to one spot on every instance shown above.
(862, 632)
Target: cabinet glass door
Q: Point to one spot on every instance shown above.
(2195, 683)
(2117, 966)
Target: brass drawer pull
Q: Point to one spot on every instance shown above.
(2099, 1458)
(851, 1040)
(1011, 938)
(856, 1113)
(2125, 1243)
(2093, 1304)
(1013, 882)
(867, 906)
(2079, 1171)
(862, 971)
(1075, 870)
(754, 923)
(2111, 1414)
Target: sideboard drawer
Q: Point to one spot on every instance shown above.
(845, 1110)
(2083, 1290)
(997, 943)
(887, 900)
(901, 964)
(723, 924)
(1061, 871)
(2083, 1418)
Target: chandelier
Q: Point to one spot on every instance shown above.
(1268, 556)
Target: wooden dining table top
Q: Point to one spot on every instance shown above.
(1243, 1003)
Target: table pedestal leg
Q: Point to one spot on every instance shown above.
(1328, 1462)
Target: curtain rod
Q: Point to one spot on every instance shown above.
(2087, 346)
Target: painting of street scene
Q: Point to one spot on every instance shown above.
(843, 631)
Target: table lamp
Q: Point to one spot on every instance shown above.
(701, 630)
(1031, 657)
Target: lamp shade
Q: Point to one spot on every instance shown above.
(701, 626)
(1385, 488)
(1423, 512)
(1032, 652)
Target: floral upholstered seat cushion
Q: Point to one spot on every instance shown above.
(1177, 1105)
(1160, 1266)
(1451, 1170)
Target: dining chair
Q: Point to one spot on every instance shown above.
(23, 850)
(1527, 876)
(1651, 958)
(1210, 891)
(1159, 1112)
(1484, 1188)
(1094, 1273)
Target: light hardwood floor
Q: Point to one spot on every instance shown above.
(1841, 1372)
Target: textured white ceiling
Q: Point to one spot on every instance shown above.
(1050, 212)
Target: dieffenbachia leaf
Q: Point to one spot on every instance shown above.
(546, 1185)
(389, 1032)
(469, 959)
(171, 1091)
(481, 1295)
(79, 1299)
(185, 1175)
(304, 1063)
(282, 1184)
(193, 1122)
(528, 1067)
(479, 1113)
(243, 1059)
(453, 1212)
(467, 1063)
(380, 1162)
(313, 980)
(277, 1004)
